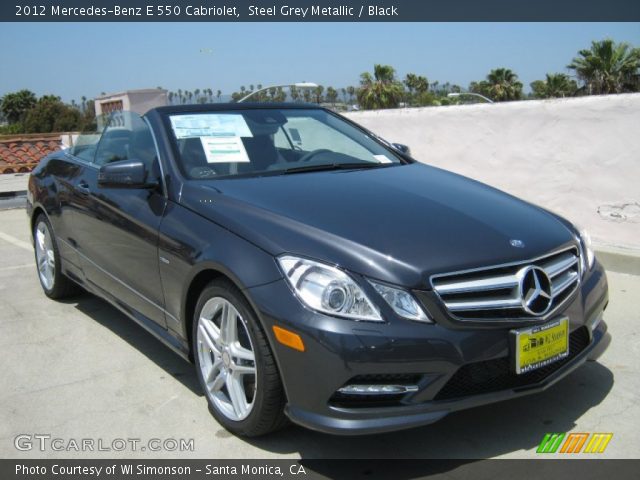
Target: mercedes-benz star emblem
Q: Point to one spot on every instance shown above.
(514, 242)
(535, 290)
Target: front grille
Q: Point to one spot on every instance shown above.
(497, 292)
(498, 374)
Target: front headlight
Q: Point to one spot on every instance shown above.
(327, 289)
(402, 302)
(587, 247)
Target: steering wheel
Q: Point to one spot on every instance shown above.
(202, 172)
(307, 157)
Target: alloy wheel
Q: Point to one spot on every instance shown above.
(226, 358)
(45, 256)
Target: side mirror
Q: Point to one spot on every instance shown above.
(124, 174)
(402, 148)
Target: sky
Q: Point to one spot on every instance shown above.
(72, 60)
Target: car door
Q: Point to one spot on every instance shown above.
(117, 230)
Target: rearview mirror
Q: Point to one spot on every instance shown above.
(124, 174)
(402, 148)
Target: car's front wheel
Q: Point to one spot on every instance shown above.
(54, 283)
(235, 364)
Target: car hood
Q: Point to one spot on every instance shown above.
(398, 224)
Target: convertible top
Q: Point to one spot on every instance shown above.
(214, 107)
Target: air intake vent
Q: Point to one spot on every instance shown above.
(498, 374)
(533, 289)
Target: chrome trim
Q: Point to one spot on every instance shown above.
(558, 270)
(376, 389)
(484, 304)
(494, 283)
(558, 288)
(502, 265)
(558, 267)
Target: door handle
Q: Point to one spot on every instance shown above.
(83, 187)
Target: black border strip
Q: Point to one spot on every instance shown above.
(342, 11)
(556, 468)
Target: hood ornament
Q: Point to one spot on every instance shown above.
(514, 242)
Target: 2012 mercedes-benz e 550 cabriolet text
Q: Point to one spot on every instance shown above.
(314, 272)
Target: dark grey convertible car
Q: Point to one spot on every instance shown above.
(313, 271)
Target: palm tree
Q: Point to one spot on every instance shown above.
(218, 95)
(332, 95)
(15, 105)
(294, 93)
(318, 93)
(380, 91)
(260, 96)
(501, 85)
(410, 82)
(351, 91)
(608, 67)
(417, 85)
(281, 95)
(555, 85)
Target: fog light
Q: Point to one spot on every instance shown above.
(377, 389)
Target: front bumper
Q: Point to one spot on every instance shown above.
(454, 368)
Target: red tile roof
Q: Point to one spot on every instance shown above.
(21, 153)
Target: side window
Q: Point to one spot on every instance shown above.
(127, 137)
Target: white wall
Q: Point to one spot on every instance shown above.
(579, 157)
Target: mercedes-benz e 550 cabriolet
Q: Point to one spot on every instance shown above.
(314, 272)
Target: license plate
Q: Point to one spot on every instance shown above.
(538, 346)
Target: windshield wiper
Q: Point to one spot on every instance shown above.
(335, 166)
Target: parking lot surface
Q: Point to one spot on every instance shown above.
(79, 369)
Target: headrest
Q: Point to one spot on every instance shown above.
(264, 122)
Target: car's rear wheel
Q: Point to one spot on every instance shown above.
(235, 364)
(54, 283)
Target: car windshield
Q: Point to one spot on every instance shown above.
(274, 141)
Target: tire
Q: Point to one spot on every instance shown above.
(48, 264)
(224, 363)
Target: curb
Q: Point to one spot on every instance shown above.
(620, 260)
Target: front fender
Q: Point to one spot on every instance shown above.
(192, 248)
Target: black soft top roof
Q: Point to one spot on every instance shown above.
(215, 107)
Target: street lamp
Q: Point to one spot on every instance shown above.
(470, 94)
(297, 85)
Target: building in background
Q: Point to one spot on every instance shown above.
(139, 101)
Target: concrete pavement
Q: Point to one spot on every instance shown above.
(79, 369)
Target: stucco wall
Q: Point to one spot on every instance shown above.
(579, 157)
